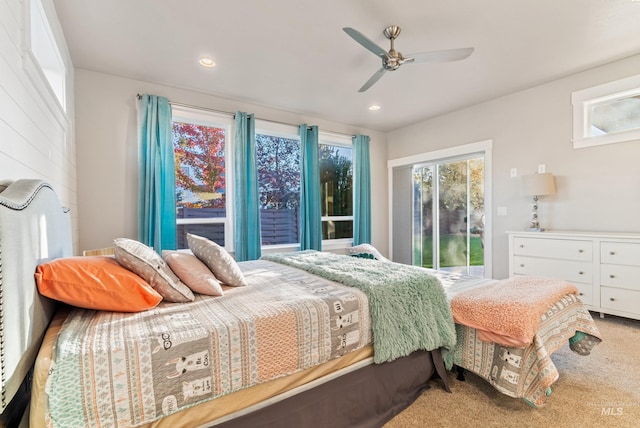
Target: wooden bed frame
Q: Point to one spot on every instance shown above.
(34, 229)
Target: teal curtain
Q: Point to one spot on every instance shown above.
(310, 214)
(245, 184)
(157, 181)
(362, 191)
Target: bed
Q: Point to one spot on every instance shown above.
(519, 369)
(343, 379)
(334, 383)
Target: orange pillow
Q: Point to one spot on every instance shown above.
(95, 282)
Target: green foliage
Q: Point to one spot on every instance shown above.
(453, 184)
(336, 181)
(452, 251)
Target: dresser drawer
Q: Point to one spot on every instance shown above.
(620, 300)
(572, 271)
(620, 253)
(620, 276)
(585, 293)
(553, 248)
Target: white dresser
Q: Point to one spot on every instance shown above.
(604, 266)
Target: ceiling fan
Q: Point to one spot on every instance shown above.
(393, 59)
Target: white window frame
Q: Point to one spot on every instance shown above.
(44, 60)
(216, 120)
(333, 139)
(485, 147)
(585, 99)
(290, 132)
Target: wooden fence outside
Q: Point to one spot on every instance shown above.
(278, 226)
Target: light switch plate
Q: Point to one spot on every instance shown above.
(541, 168)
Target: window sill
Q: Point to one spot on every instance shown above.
(327, 245)
(617, 137)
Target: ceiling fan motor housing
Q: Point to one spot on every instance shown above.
(393, 59)
(391, 32)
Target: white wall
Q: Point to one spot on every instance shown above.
(36, 136)
(107, 153)
(598, 188)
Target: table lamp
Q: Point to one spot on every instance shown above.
(537, 185)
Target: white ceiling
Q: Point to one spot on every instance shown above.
(293, 54)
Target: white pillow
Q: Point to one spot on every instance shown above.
(146, 263)
(193, 272)
(367, 249)
(217, 259)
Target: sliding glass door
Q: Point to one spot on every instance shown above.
(448, 214)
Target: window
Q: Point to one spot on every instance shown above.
(200, 143)
(336, 186)
(448, 214)
(437, 203)
(45, 51)
(278, 162)
(606, 114)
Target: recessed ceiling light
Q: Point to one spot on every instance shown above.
(207, 62)
(374, 107)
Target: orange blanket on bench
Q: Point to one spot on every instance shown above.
(509, 311)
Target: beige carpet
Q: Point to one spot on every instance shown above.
(599, 390)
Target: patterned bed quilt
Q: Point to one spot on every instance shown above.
(526, 372)
(117, 369)
(297, 311)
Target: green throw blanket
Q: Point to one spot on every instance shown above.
(409, 308)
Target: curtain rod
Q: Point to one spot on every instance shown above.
(232, 114)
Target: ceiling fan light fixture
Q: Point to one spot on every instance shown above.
(393, 59)
(205, 61)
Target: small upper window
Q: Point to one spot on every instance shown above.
(606, 114)
(46, 52)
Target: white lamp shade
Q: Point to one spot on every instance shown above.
(538, 184)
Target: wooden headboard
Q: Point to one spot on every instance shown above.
(34, 228)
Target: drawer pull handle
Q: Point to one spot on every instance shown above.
(580, 294)
(613, 253)
(580, 273)
(612, 276)
(521, 245)
(581, 250)
(612, 299)
(521, 264)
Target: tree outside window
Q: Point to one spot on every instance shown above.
(200, 181)
(336, 186)
(201, 194)
(278, 161)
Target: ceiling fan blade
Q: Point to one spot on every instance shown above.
(364, 41)
(441, 56)
(373, 79)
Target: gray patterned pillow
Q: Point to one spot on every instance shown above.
(217, 259)
(146, 263)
